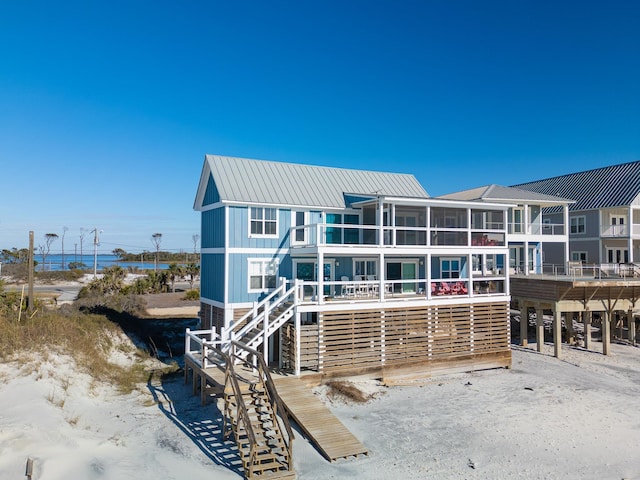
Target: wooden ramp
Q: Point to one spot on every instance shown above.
(320, 426)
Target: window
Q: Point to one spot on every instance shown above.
(450, 268)
(579, 257)
(300, 234)
(262, 274)
(264, 221)
(577, 224)
(364, 267)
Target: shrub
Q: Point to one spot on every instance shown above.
(88, 339)
(192, 295)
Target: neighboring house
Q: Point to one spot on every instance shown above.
(340, 271)
(604, 221)
(530, 231)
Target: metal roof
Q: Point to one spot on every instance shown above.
(498, 193)
(249, 181)
(613, 186)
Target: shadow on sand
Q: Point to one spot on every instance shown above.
(202, 425)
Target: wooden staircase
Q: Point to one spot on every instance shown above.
(264, 319)
(254, 414)
(269, 456)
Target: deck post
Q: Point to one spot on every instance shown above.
(539, 328)
(557, 332)
(298, 347)
(631, 324)
(606, 333)
(568, 321)
(586, 321)
(524, 325)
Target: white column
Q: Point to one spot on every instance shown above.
(320, 279)
(381, 275)
(566, 245)
(630, 227)
(298, 358)
(381, 221)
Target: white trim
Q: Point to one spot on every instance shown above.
(213, 303)
(584, 224)
(212, 206)
(575, 253)
(226, 255)
(264, 222)
(305, 231)
(214, 250)
(264, 262)
(261, 251)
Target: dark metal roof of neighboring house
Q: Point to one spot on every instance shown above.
(613, 186)
(277, 183)
(497, 193)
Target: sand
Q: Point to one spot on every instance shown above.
(574, 418)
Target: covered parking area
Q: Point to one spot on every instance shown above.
(610, 300)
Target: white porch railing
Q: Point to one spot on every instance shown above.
(326, 234)
(615, 231)
(198, 345)
(393, 290)
(536, 229)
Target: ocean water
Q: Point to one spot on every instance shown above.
(54, 262)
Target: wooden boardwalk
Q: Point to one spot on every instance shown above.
(320, 426)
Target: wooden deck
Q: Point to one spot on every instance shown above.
(321, 427)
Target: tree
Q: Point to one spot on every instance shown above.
(175, 272)
(49, 238)
(64, 231)
(192, 271)
(119, 252)
(83, 232)
(195, 237)
(156, 239)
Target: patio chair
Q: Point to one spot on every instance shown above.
(348, 289)
(374, 288)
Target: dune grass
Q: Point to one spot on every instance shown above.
(90, 339)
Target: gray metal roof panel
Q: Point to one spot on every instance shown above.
(259, 181)
(612, 186)
(495, 193)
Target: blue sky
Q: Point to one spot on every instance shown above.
(108, 108)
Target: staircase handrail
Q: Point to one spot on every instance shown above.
(199, 338)
(243, 414)
(276, 402)
(256, 307)
(260, 316)
(270, 325)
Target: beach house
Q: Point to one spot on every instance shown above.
(334, 270)
(531, 232)
(604, 221)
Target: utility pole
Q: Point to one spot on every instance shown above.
(96, 242)
(31, 267)
(64, 231)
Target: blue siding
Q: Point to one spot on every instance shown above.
(239, 230)
(239, 276)
(212, 277)
(211, 195)
(212, 228)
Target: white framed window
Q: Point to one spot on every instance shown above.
(577, 224)
(263, 222)
(365, 267)
(262, 274)
(450, 268)
(298, 219)
(579, 257)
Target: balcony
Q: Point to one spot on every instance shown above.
(617, 231)
(367, 291)
(350, 235)
(536, 229)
